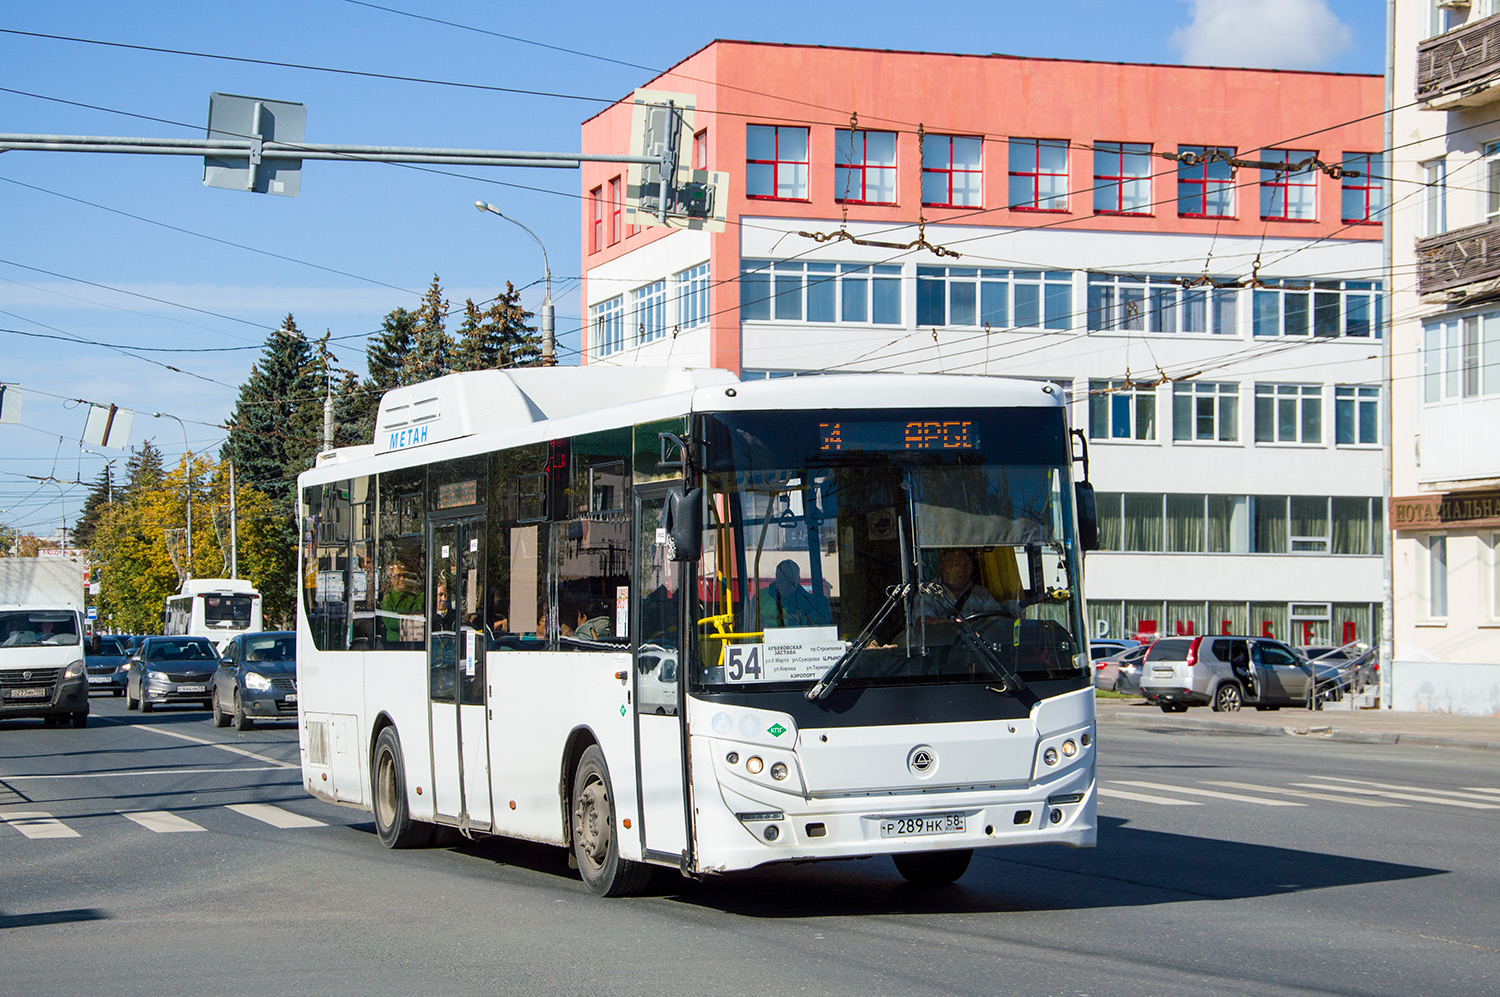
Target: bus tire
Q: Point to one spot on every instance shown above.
(932, 868)
(595, 843)
(388, 781)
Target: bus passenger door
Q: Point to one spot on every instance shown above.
(457, 686)
(657, 621)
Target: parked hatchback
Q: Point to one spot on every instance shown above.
(256, 680)
(167, 670)
(1225, 673)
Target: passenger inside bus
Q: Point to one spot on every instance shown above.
(785, 603)
(402, 600)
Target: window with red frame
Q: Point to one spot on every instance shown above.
(1039, 174)
(1205, 187)
(614, 211)
(776, 162)
(596, 224)
(864, 167)
(700, 150)
(952, 171)
(1122, 178)
(1363, 197)
(1289, 195)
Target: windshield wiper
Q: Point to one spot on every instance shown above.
(821, 688)
(1009, 680)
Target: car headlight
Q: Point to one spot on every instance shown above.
(74, 670)
(158, 677)
(257, 682)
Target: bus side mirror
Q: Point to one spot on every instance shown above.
(1088, 516)
(683, 518)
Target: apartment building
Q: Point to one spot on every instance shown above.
(1445, 377)
(1216, 324)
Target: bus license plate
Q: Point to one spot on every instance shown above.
(903, 827)
(28, 694)
(192, 688)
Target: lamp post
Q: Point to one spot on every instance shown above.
(188, 487)
(109, 475)
(549, 342)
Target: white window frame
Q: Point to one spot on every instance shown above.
(1350, 402)
(1105, 402)
(785, 285)
(1124, 303)
(607, 320)
(1347, 297)
(1433, 580)
(1490, 582)
(692, 296)
(1301, 396)
(1434, 197)
(1221, 401)
(648, 307)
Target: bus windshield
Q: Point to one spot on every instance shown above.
(898, 549)
(229, 612)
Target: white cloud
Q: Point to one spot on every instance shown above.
(1274, 34)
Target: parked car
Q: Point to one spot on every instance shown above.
(1121, 671)
(104, 667)
(169, 670)
(1357, 663)
(1225, 673)
(256, 680)
(1104, 647)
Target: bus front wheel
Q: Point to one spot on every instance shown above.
(595, 844)
(392, 817)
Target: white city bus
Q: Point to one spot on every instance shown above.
(665, 618)
(216, 608)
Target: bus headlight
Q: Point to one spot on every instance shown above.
(778, 771)
(1050, 756)
(753, 765)
(1069, 749)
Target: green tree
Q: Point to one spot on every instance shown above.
(500, 336)
(432, 348)
(100, 494)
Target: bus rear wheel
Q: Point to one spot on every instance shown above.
(595, 844)
(933, 868)
(388, 778)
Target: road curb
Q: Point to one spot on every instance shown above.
(1321, 732)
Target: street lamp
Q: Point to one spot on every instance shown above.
(549, 343)
(109, 474)
(188, 487)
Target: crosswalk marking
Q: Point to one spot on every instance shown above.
(36, 824)
(1410, 797)
(1121, 794)
(1235, 797)
(1328, 797)
(275, 816)
(1467, 795)
(161, 821)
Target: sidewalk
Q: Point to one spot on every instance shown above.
(1359, 726)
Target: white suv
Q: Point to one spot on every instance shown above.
(1225, 673)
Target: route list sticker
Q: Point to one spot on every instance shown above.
(787, 654)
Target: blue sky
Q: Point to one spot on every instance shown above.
(89, 271)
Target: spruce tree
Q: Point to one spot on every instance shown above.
(498, 336)
(432, 348)
(94, 506)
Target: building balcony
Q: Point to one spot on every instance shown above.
(1460, 68)
(1462, 263)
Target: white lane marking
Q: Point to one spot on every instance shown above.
(1488, 790)
(1410, 797)
(161, 821)
(1121, 794)
(211, 744)
(1409, 789)
(36, 824)
(1311, 796)
(1235, 797)
(131, 772)
(275, 816)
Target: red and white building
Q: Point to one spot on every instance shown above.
(1217, 325)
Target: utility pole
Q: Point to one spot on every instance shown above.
(234, 536)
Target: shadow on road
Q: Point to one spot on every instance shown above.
(51, 917)
(1131, 868)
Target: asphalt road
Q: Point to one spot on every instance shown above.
(177, 858)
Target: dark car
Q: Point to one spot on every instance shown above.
(256, 680)
(166, 670)
(1121, 672)
(1357, 665)
(104, 666)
